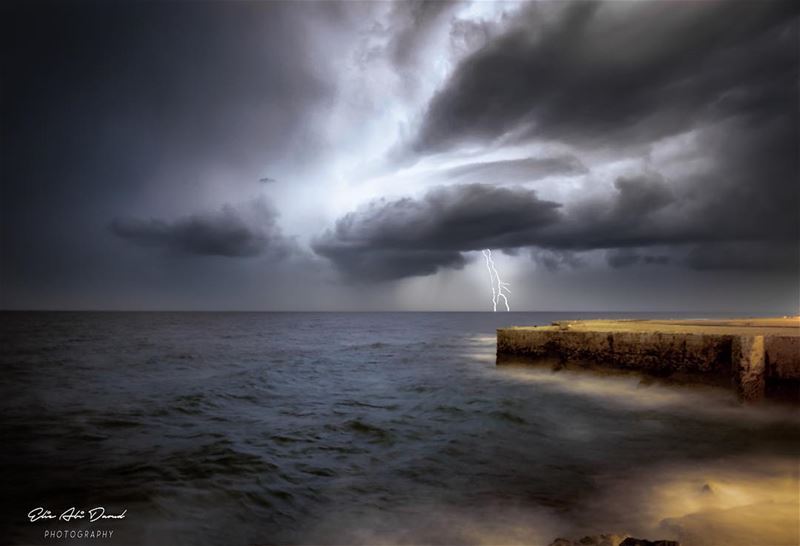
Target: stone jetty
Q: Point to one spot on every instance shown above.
(759, 357)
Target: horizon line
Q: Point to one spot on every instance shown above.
(684, 311)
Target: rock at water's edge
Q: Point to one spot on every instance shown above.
(630, 541)
(612, 540)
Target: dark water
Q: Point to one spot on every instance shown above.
(269, 428)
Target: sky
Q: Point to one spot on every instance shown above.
(626, 156)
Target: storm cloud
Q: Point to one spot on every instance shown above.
(618, 72)
(613, 76)
(589, 143)
(408, 237)
(139, 110)
(222, 233)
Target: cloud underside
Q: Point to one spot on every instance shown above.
(621, 77)
(228, 232)
(409, 237)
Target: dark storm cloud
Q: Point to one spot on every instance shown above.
(632, 215)
(222, 233)
(408, 237)
(108, 107)
(515, 171)
(111, 110)
(619, 71)
(623, 75)
(641, 195)
(373, 242)
(227, 80)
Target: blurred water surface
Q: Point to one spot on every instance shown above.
(340, 428)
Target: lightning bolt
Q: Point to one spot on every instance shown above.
(499, 288)
(488, 255)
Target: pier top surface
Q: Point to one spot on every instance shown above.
(783, 326)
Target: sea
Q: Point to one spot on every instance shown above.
(366, 428)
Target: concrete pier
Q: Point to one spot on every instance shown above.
(759, 357)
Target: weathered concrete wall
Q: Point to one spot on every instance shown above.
(748, 360)
(782, 356)
(653, 352)
(749, 367)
